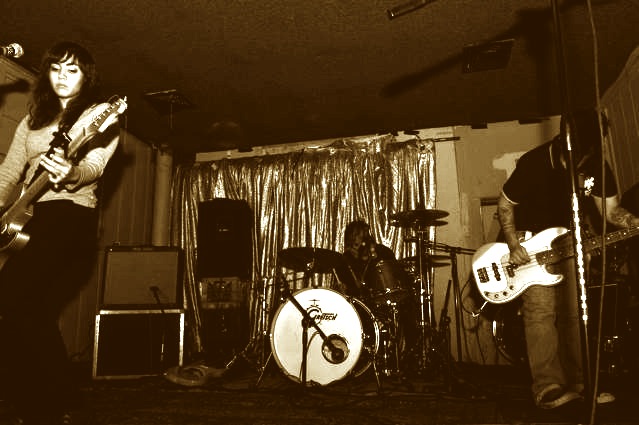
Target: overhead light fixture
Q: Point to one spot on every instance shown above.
(407, 7)
(168, 101)
(486, 56)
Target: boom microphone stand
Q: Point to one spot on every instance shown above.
(575, 224)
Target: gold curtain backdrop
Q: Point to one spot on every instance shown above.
(304, 198)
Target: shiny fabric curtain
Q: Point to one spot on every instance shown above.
(303, 198)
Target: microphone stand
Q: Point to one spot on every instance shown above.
(155, 290)
(454, 251)
(575, 219)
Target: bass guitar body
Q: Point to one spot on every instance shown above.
(499, 281)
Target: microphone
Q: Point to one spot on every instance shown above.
(13, 50)
(335, 349)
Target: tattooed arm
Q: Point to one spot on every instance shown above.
(615, 213)
(506, 215)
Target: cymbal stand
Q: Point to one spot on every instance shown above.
(444, 334)
(260, 333)
(427, 322)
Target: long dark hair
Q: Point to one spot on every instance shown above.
(45, 105)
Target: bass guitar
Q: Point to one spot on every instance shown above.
(16, 216)
(499, 281)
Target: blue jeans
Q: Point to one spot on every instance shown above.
(551, 323)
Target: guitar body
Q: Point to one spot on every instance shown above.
(500, 282)
(11, 243)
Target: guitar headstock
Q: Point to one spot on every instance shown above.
(117, 106)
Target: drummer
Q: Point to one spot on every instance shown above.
(362, 253)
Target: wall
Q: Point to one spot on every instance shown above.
(14, 85)
(621, 102)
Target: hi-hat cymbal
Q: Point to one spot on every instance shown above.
(414, 218)
(317, 260)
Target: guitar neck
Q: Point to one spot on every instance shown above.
(565, 250)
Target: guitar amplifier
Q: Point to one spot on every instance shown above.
(141, 277)
(137, 343)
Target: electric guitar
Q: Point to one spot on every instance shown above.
(14, 218)
(499, 281)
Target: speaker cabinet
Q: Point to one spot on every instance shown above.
(224, 238)
(136, 343)
(142, 277)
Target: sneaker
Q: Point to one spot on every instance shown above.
(604, 398)
(554, 396)
(194, 375)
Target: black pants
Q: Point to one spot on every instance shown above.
(36, 283)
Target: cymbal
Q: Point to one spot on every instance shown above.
(317, 260)
(414, 218)
(428, 257)
(437, 223)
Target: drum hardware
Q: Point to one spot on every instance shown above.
(424, 252)
(428, 261)
(420, 220)
(390, 343)
(258, 341)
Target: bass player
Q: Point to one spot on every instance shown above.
(537, 196)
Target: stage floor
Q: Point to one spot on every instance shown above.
(467, 394)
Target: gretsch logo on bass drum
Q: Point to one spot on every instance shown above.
(315, 312)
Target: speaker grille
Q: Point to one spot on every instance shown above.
(142, 277)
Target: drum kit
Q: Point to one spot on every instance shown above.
(319, 335)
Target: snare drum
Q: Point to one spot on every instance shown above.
(348, 323)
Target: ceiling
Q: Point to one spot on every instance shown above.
(262, 72)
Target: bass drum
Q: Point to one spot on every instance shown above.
(347, 323)
(508, 333)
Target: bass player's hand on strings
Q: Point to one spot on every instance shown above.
(61, 170)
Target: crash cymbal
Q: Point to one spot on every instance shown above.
(415, 218)
(317, 260)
